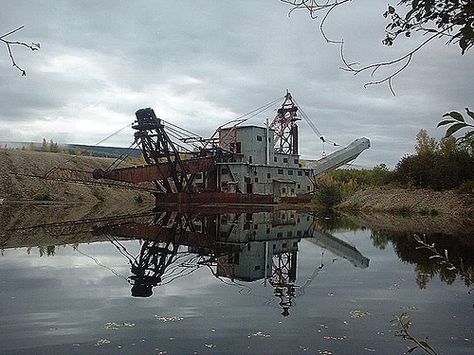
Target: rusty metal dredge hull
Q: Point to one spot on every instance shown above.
(239, 165)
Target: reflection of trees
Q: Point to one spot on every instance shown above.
(379, 240)
(49, 250)
(427, 266)
(332, 221)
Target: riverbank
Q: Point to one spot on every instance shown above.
(15, 186)
(411, 202)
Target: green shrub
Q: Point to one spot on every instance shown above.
(42, 196)
(328, 193)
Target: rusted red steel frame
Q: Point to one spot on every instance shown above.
(154, 172)
(160, 234)
(227, 199)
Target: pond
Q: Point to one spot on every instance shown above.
(231, 281)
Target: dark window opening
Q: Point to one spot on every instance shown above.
(236, 147)
(256, 179)
(296, 160)
(292, 191)
(280, 171)
(300, 173)
(283, 245)
(283, 190)
(250, 159)
(269, 175)
(306, 173)
(259, 138)
(299, 186)
(290, 172)
(285, 160)
(257, 267)
(275, 159)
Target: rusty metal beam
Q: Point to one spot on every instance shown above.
(154, 172)
(160, 234)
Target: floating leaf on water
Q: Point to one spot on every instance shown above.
(115, 325)
(344, 337)
(260, 334)
(101, 342)
(169, 318)
(210, 346)
(304, 348)
(369, 349)
(359, 314)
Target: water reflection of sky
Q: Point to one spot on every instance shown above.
(61, 303)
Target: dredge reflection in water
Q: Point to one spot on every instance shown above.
(235, 246)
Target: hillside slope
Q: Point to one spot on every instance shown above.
(418, 201)
(15, 187)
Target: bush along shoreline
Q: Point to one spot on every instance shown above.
(412, 187)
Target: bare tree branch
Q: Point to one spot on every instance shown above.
(399, 25)
(33, 46)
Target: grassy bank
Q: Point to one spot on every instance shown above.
(21, 188)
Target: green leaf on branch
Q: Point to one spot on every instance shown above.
(454, 128)
(445, 122)
(456, 115)
(470, 113)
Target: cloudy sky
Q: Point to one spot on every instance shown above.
(201, 63)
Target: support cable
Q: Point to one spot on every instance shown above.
(50, 171)
(313, 126)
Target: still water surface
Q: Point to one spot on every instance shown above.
(235, 282)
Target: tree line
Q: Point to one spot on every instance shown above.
(438, 165)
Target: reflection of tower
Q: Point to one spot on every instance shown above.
(283, 279)
(154, 258)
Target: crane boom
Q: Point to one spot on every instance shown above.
(339, 157)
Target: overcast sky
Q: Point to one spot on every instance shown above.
(201, 63)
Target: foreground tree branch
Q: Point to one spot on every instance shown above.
(9, 44)
(437, 19)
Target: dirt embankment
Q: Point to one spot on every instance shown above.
(17, 187)
(415, 211)
(404, 201)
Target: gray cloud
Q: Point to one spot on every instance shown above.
(209, 61)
